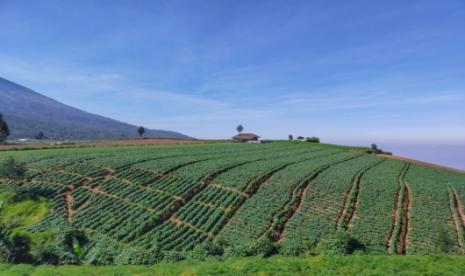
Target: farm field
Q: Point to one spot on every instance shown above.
(148, 204)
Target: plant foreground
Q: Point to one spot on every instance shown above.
(322, 265)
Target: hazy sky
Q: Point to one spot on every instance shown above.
(342, 70)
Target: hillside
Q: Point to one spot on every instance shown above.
(28, 112)
(141, 205)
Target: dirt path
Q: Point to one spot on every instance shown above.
(459, 207)
(399, 216)
(421, 163)
(352, 198)
(185, 223)
(251, 189)
(97, 190)
(69, 199)
(107, 143)
(229, 189)
(405, 222)
(194, 191)
(289, 210)
(456, 221)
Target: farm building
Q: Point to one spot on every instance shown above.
(246, 137)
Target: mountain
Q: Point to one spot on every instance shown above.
(28, 112)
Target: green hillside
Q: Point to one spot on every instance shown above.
(141, 205)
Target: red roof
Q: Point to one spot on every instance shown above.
(246, 136)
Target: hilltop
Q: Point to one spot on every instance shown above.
(28, 112)
(145, 204)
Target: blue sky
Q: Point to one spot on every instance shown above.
(346, 71)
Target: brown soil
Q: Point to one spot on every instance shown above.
(453, 207)
(185, 223)
(393, 226)
(401, 216)
(105, 143)
(229, 189)
(198, 188)
(69, 202)
(421, 163)
(460, 207)
(403, 236)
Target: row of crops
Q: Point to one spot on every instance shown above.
(148, 200)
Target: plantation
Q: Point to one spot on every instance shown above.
(150, 204)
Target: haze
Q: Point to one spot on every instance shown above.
(391, 73)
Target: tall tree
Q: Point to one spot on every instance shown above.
(141, 131)
(291, 137)
(240, 128)
(40, 135)
(4, 130)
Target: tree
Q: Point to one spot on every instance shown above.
(240, 128)
(313, 139)
(4, 130)
(291, 137)
(300, 137)
(141, 131)
(374, 148)
(39, 136)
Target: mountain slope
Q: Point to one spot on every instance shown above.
(28, 112)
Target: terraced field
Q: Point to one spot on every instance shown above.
(143, 204)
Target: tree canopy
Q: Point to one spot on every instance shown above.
(4, 130)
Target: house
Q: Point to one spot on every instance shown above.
(246, 137)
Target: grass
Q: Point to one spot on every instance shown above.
(21, 213)
(321, 265)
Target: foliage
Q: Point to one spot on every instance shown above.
(262, 247)
(4, 129)
(12, 169)
(239, 128)
(312, 139)
(326, 265)
(40, 135)
(144, 205)
(291, 137)
(338, 244)
(141, 131)
(444, 242)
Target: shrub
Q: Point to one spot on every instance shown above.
(12, 169)
(339, 244)
(296, 246)
(313, 139)
(262, 247)
(45, 254)
(444, 243)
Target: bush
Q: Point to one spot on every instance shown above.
(339, 244)
(444, 243)
(12, 169)
(295, 246)
(313, 139)
(262, 247)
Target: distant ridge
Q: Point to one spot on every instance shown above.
(28, 112)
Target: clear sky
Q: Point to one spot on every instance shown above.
(345, 71)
